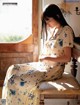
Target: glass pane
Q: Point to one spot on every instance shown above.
(15, 20)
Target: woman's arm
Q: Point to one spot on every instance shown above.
(65, 58)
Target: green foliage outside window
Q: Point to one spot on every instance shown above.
(10, 38)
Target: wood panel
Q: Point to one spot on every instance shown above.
(16, 48)
(7, 59)
(35, 26)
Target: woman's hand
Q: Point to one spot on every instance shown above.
(64, 58)
(42, 58)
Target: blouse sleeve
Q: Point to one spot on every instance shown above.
(67, 37)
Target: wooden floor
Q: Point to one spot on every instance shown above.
(0, 92)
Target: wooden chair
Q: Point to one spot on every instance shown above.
(62, 92)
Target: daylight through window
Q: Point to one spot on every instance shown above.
(15, 20)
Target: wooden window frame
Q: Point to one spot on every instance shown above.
(30, 44)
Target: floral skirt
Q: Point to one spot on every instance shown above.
(21, 85)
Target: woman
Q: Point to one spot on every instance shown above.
(57, 43)
(21, 85)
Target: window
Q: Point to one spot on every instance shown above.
(15, 20)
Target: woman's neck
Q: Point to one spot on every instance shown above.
(58, 26)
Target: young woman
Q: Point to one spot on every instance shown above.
(57, 41)
(21, 85)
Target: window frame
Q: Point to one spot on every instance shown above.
(31, 38)
(30, 44)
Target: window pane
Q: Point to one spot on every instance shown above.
(15, 20)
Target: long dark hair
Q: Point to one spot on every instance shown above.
(52, 11)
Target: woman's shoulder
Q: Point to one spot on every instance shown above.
(66, 31)
(67, 28)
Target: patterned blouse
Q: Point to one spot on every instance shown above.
(55, 44)
(54, 47)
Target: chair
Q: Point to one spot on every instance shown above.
(65, 88)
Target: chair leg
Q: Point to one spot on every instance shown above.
(41, 99)
(41, 102)
(68, 103)
(78, 101)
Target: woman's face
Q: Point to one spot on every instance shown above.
(51, 23)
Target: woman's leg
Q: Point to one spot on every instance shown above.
(21, 85)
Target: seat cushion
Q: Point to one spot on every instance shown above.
(66, 82)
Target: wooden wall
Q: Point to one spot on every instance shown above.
(25, 51)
